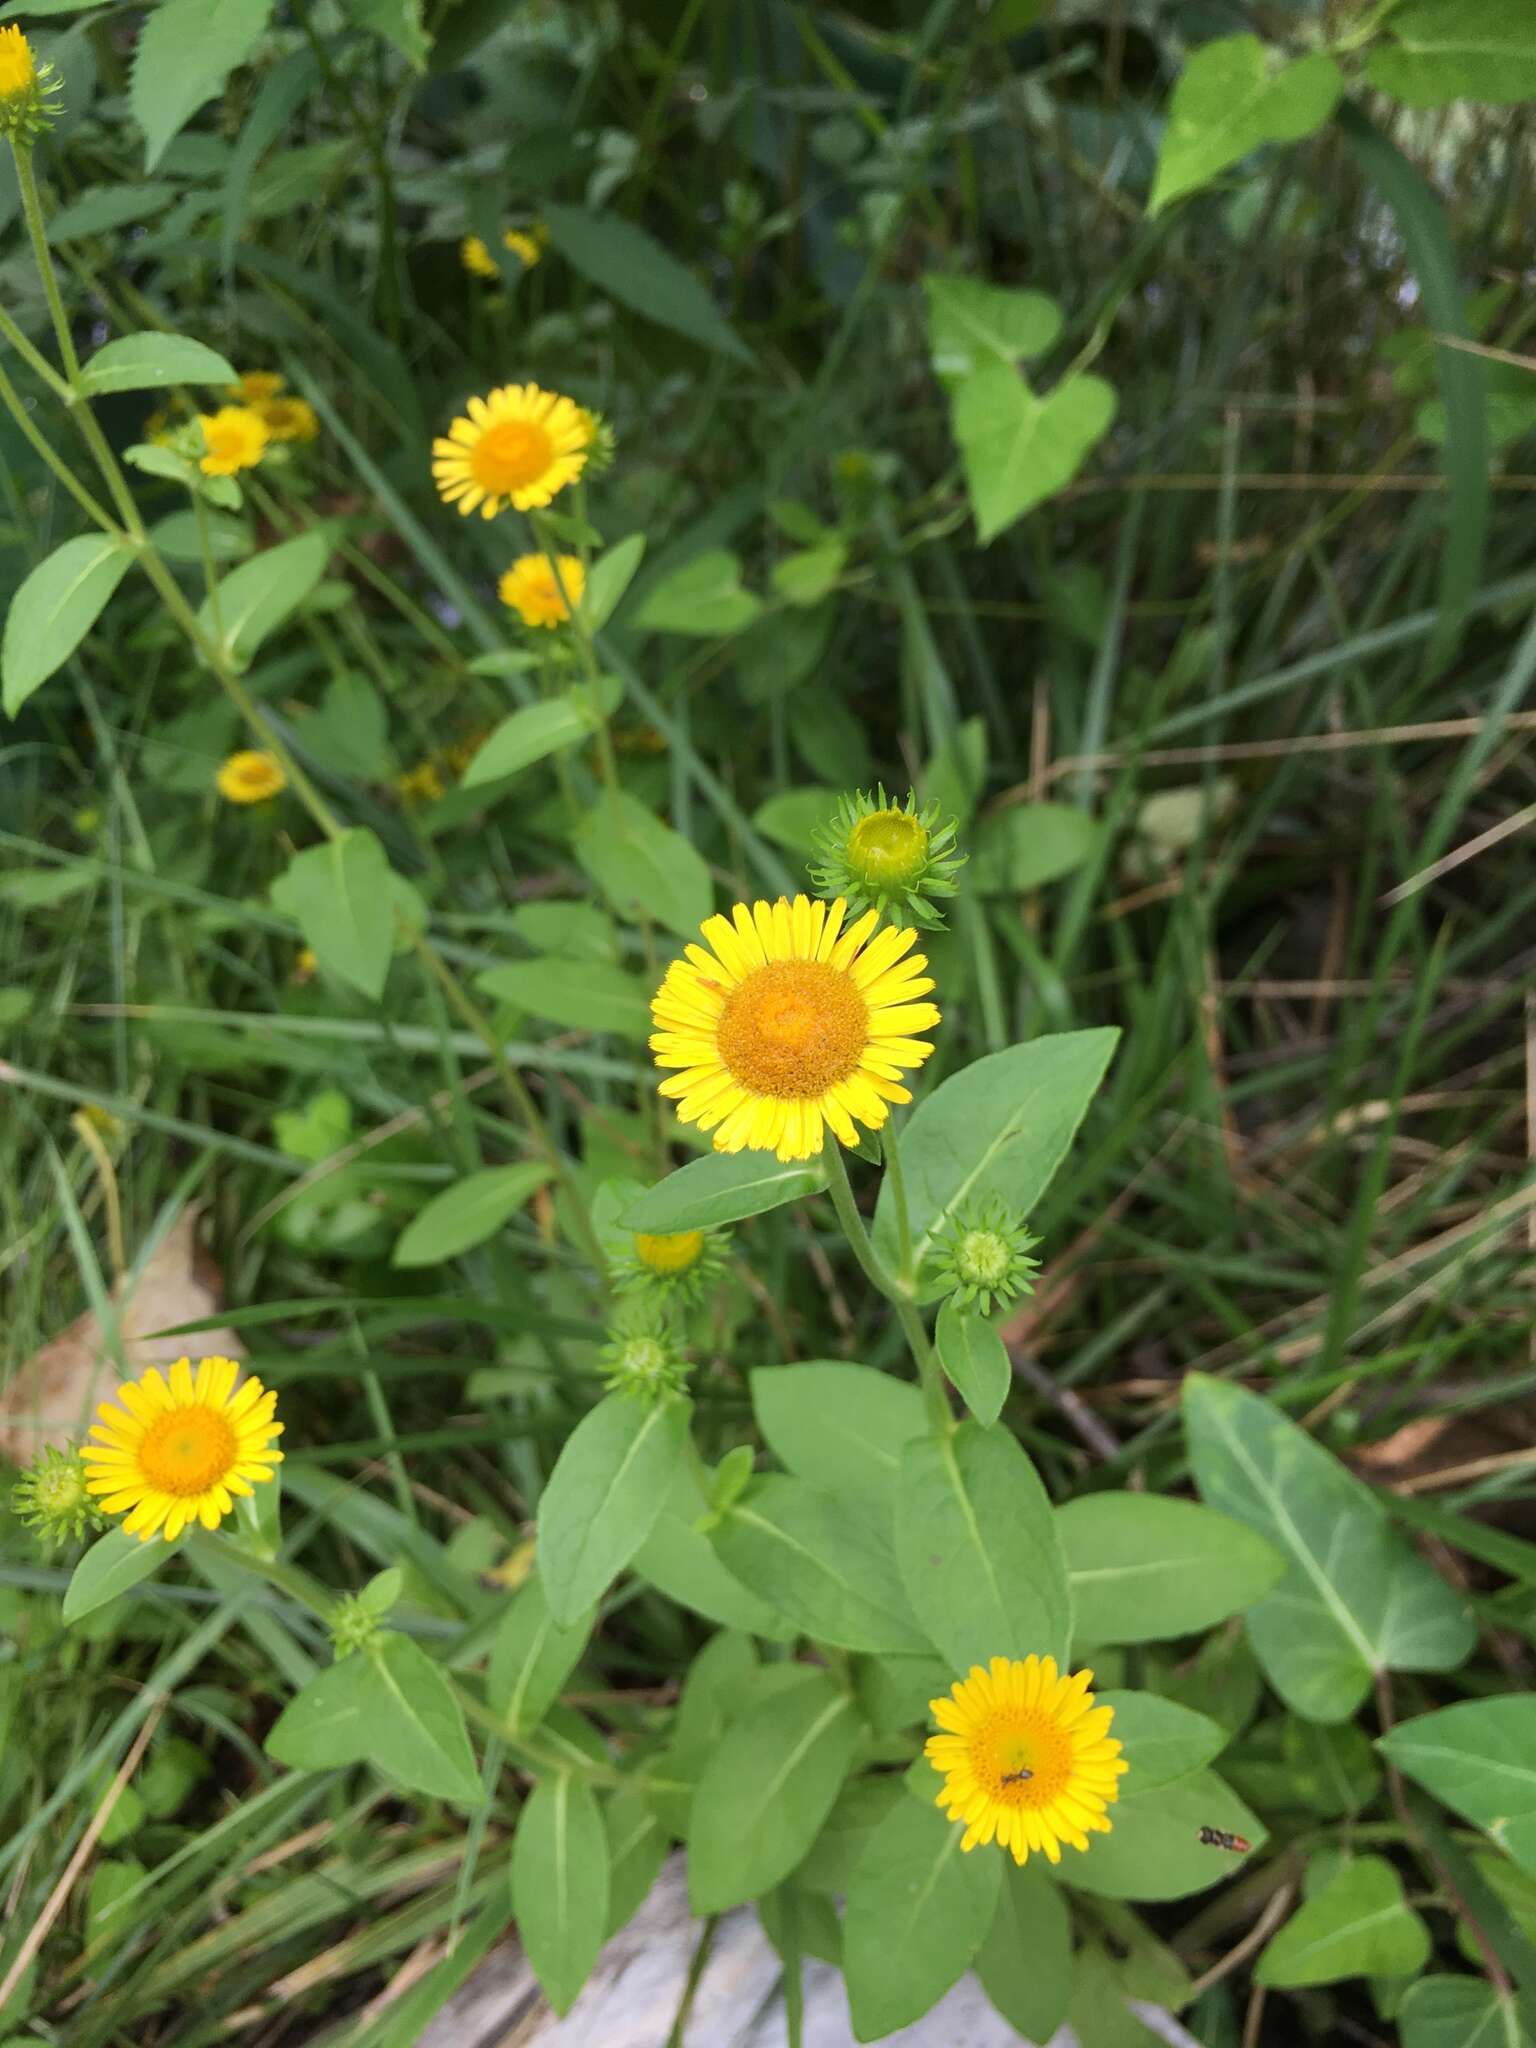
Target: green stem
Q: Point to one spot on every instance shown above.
(517, 1093)
(32, 209)
(891, 1152)
(210, 572)
(606, 760)
(11, 398)
(287, 1578)
(895, 1292)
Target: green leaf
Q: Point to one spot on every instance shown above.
(999, 1127)
(1143, 1567)
(766, 1791)
(1027, 845)
(723, 1187)
(792, 817)
(703, 598)
(977, 1546)
(113, 1564)
(632, 267)
(1437, 51)
(607, 580)
(413, 1726)
(256, 598)
(1025, 1963)
(1162, 1740)
(531, 1659)
(388, 1706)
(811, 575)
(296, 177)
(976, 1360)
(467, 1214)
(349, 733)
(54, 609)
(680, 1561)
(339, 895)
(186, 51)
(1461, 2012)
(399, 22)
(857, 1811)
(637, 1848)
(560, 1885)
(1358, 1925)
(1153, 1849)
(971, 323)
(839, 1427)
(1228, 100)
(1356, 1600)
(918, 1910)
(539, 730)
(177, 537)
(1017, 448)
(1479, 1758)
(101, 208)
(822, 1560)
(153, 362)
(604, 1496)
(643, 867)
(582, 995)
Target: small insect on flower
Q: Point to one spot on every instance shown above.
(1026, 1757)
(1219, 1838)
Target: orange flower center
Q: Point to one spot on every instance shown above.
(227, 444)
(793, 1028)
(671, 1252)
(1016, 1740)
(187, 1450)
(511, 454)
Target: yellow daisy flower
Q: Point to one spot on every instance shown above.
(529, 589)
(527, 247)
(235, 437)
(1026, 1757)
(518, 446)
(18, 67)
(257, 386)
(251, 776)
(180, 1450)
(789, 1023)
(289, 419)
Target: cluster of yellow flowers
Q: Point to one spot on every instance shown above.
(238, 435)
(527, 245)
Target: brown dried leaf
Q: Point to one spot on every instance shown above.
(52, 1397)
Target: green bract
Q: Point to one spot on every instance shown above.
(983, 1256)
(890, 857)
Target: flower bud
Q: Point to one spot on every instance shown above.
(51, 1499)
(642, 1356)
(28, 90)
(983, 1257)
(889, 857)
